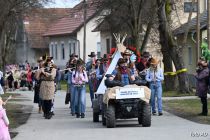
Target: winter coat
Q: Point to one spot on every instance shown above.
(47, 87)
(202, 82)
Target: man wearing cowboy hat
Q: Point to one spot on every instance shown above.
(37, 99)
(90, 65)
(91, 61)
(144, 61)
(155, 77)
(122, 72)
(102, 67)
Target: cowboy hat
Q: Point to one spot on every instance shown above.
(106, 57)
(73, 55)
(122, 60)
(127, 52)
(154, 61)
(92, 54)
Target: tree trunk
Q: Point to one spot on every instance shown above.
(137, 42)
(169, 80)
(172, 48)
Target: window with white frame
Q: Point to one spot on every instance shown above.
(70, 48)
(62, 51)
(56, 51)
(98, 49)
(52, 50)
(74, 47)
(108, 48)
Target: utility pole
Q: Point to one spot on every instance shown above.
(208, 28)
(84, 37)
(198, 30)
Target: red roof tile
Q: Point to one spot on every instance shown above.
(70, 24)
(37, 22)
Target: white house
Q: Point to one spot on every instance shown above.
(66, 35)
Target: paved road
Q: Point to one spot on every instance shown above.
(65, 127)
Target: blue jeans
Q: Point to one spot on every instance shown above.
(80, 100)
(156, 92)
(73, 98)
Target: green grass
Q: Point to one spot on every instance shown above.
(176, 94)
(188, 109)
(63, 85)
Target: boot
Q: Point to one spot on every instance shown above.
(40, 110)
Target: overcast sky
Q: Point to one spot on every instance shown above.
(63, 4)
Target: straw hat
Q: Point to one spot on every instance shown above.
(127, 52)
(154, 61)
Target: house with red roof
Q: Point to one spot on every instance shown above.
(66, 35)
(31, 43)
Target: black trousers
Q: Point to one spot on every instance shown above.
(204, 107)
(46, 106)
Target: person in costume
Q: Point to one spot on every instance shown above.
(4, 123)
(79, 80)
(47, 88)
(155, 77)
(202, 78)
(122, 73)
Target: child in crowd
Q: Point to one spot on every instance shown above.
(4, 123)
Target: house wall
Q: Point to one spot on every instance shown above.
(92, 38)
(70, 46)
(104, 37)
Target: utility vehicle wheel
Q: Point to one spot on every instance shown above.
(110, 116)
(146, 115)
(140, 114)
(96, 110)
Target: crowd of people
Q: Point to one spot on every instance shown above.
(127, 71)
(79, 74)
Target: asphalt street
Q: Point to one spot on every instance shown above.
(63, 126)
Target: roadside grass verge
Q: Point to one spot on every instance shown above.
(17, 114)
(188, 109)
(176, 94)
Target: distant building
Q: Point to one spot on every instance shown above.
(31, 44)
(66, 35)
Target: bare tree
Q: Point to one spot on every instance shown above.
(170, 46)
(129, 16)
(12, 12)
